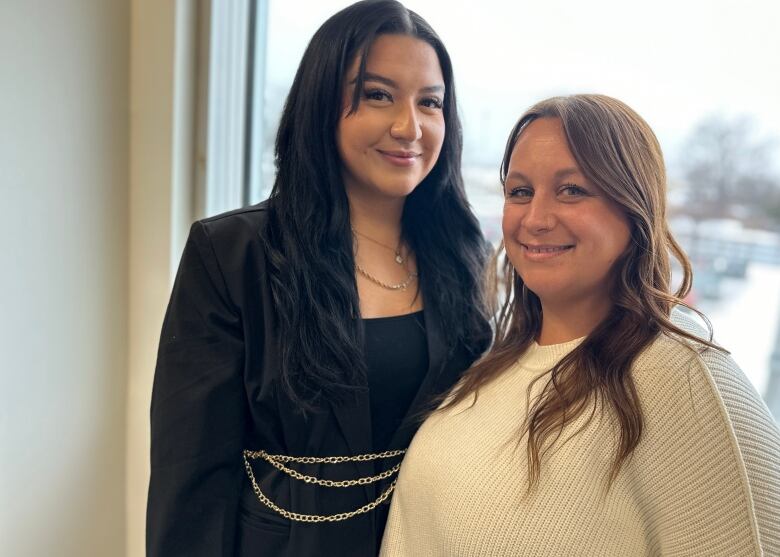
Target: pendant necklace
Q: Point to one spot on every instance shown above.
(399, 258)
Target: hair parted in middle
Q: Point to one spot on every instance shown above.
(308, 236)
(618, 152)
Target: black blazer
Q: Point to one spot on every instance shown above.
(216, 392)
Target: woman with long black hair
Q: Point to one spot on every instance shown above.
(304, 332)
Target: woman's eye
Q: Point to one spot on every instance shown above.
(432, 102)
(376, 95)
(519, 193)
(572, 190)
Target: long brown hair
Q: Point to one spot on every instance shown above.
(616, 150)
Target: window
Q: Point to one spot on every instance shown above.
(705, 76)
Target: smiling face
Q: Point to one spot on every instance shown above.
(393, 139)
(562, 234)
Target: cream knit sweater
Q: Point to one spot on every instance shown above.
(704, 480)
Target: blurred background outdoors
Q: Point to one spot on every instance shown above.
(122, 121)
(706, 77)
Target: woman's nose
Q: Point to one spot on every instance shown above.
(540, 216)
(406, 125)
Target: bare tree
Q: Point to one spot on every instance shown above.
(729, 171)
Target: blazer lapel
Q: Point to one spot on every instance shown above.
(436, 348)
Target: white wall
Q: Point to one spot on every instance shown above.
(97, 107)
(162, 147)
(64, 132)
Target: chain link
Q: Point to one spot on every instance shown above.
(400, 286)
(325, 459)
(316, 518)
(314, 480)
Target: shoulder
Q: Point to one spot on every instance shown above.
(673, 359)
(230, 237)
(677, 361)
(703, 415)
(679, 379)
(245, 222)
(231, 244)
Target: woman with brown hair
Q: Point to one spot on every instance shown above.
(603, 421)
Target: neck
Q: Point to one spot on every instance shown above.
(377, 218)
(565, 321)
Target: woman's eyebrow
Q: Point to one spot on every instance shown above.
(560, 174)
(381, 79)
(368, 76)
(564, 172)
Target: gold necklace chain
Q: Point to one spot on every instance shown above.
(403, 285)
(315, 518)
(396, 249)
(400, 286)
(399, 258)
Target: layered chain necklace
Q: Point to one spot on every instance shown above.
(399, 258)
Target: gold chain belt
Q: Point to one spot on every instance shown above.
(277, 461)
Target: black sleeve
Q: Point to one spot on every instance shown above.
(198, 413)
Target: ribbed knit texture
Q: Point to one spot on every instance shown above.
(704, 480)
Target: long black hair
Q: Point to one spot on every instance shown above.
(308, 237)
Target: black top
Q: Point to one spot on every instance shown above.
(396, 352)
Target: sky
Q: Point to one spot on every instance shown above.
(674, 62)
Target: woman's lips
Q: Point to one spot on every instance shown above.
(544, 252)
(399, 158)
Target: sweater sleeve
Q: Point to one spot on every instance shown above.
(198, 413)
(707, 472)
(758, 441)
